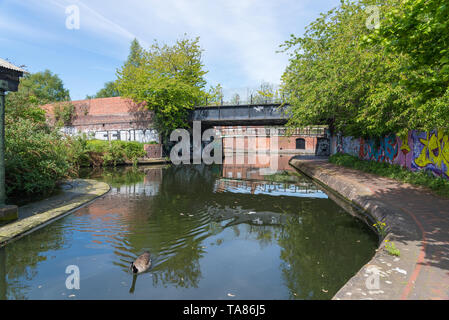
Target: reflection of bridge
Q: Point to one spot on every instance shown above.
(238, 115)
(238, 215)
(303, 189)
(262, 166)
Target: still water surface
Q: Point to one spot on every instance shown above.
(214, 232)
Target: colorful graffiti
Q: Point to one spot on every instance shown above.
(418, 151)
(432, 152)
(385, 151)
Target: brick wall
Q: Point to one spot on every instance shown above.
(258, 138)
(153, 150)
(109, 119)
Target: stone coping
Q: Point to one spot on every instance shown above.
(404, 209)
(75, 193)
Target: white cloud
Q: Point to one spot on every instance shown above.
(243, 34)
(240, 37)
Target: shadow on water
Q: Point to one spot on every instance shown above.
(210, 232)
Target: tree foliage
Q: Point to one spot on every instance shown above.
(136, 54)
(266, 93)
(109, 90)
(169, 80)
(135, 58)
(36, 158)
(35, 89)
(215, 95)
(420, 30)
(337, 75)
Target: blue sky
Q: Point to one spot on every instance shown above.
(240, 37)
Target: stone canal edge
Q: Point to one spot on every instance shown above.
(417, 221)
(75, 194)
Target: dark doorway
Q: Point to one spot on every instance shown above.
(323, 147)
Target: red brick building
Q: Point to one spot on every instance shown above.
(109, 119)
(308, 141)
(122, 119)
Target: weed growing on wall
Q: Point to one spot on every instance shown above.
(381, 228)
(390, 247)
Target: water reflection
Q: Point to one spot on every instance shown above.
(273, 236)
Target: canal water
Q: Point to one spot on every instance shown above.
(214, 232)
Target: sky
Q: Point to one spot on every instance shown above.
(240, 38)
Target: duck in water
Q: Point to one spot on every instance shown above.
(142, 263)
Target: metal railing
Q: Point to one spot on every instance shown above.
(249, 101)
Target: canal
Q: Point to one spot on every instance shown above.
(214, 232)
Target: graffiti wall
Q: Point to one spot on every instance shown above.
(419, 151)
(139, 135)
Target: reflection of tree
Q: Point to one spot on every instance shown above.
(264, 234)
(315, 266)
(183, 268)
(21, 258)
(176, 240)
(116, 177)
(173, 224)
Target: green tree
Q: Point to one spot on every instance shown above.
(265, 94)
(169, 79)
(215, 95)
(135, 58)
(420, 31)
(109, 90)
(136, 54)
(337, 78)
(35, 89)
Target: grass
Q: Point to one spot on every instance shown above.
(419, 178)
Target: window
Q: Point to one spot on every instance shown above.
(300, 143)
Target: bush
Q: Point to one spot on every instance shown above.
(420, 178)
(103, 153)
(36, 158)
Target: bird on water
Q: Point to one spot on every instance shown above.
(142, 263)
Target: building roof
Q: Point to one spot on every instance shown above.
(7, 65)
(114, 110)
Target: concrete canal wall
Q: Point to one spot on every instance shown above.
(36, 215)
(416, 222)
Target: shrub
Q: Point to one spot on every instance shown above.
(36, 158)
(104, 153)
